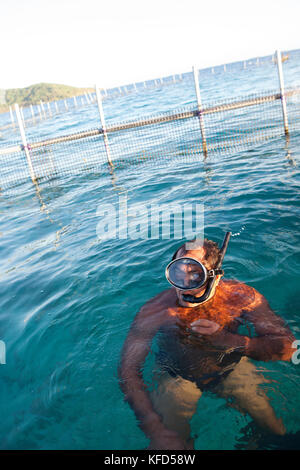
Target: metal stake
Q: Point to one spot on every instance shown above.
(11, 116)
(282, 94)
(102, 120)
(24, 142)
(201, 122)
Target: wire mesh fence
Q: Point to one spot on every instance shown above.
(230, 124)
(33, 114)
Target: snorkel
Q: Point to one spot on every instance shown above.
(211, 280)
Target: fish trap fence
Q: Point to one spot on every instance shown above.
(32, 115)
(182, 135)
(185, 134)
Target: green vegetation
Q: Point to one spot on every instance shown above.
(42, 91)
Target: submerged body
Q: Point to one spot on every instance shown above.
(192, 356)
(200, 349)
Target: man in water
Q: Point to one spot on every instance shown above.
(201, 348)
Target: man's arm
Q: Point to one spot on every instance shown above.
(272, 343)
(135, 350)
(274, 338)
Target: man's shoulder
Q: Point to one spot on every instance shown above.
(242, 295)
(159, 303)
(163, 296)
(154, 312)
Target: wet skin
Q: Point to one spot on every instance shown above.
(199, 340)
(203, 340)
(192, 343)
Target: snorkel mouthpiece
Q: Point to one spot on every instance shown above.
(212, 276)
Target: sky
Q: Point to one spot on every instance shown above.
(114, 42)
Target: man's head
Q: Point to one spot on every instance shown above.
(208, 253)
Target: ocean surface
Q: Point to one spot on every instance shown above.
(67, 298)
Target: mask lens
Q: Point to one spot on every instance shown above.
(186, 273)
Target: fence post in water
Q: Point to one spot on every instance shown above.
(24, 142)
(43, 110)
(202, 128)
(102, 120)
(282, 95)
(40, 112)
(11, 116)
(31, 110)
(22, 115)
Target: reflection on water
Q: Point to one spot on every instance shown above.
(67, 300)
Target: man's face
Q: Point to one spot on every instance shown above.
(186, 271)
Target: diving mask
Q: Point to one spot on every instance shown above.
(189, 274)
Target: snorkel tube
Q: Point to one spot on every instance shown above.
(213, 273)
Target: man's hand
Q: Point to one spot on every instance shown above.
(205, 327)
(220, 338)
(166, 439)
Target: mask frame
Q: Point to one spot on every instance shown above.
(207, 274)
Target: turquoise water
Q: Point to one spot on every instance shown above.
(67, 299)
